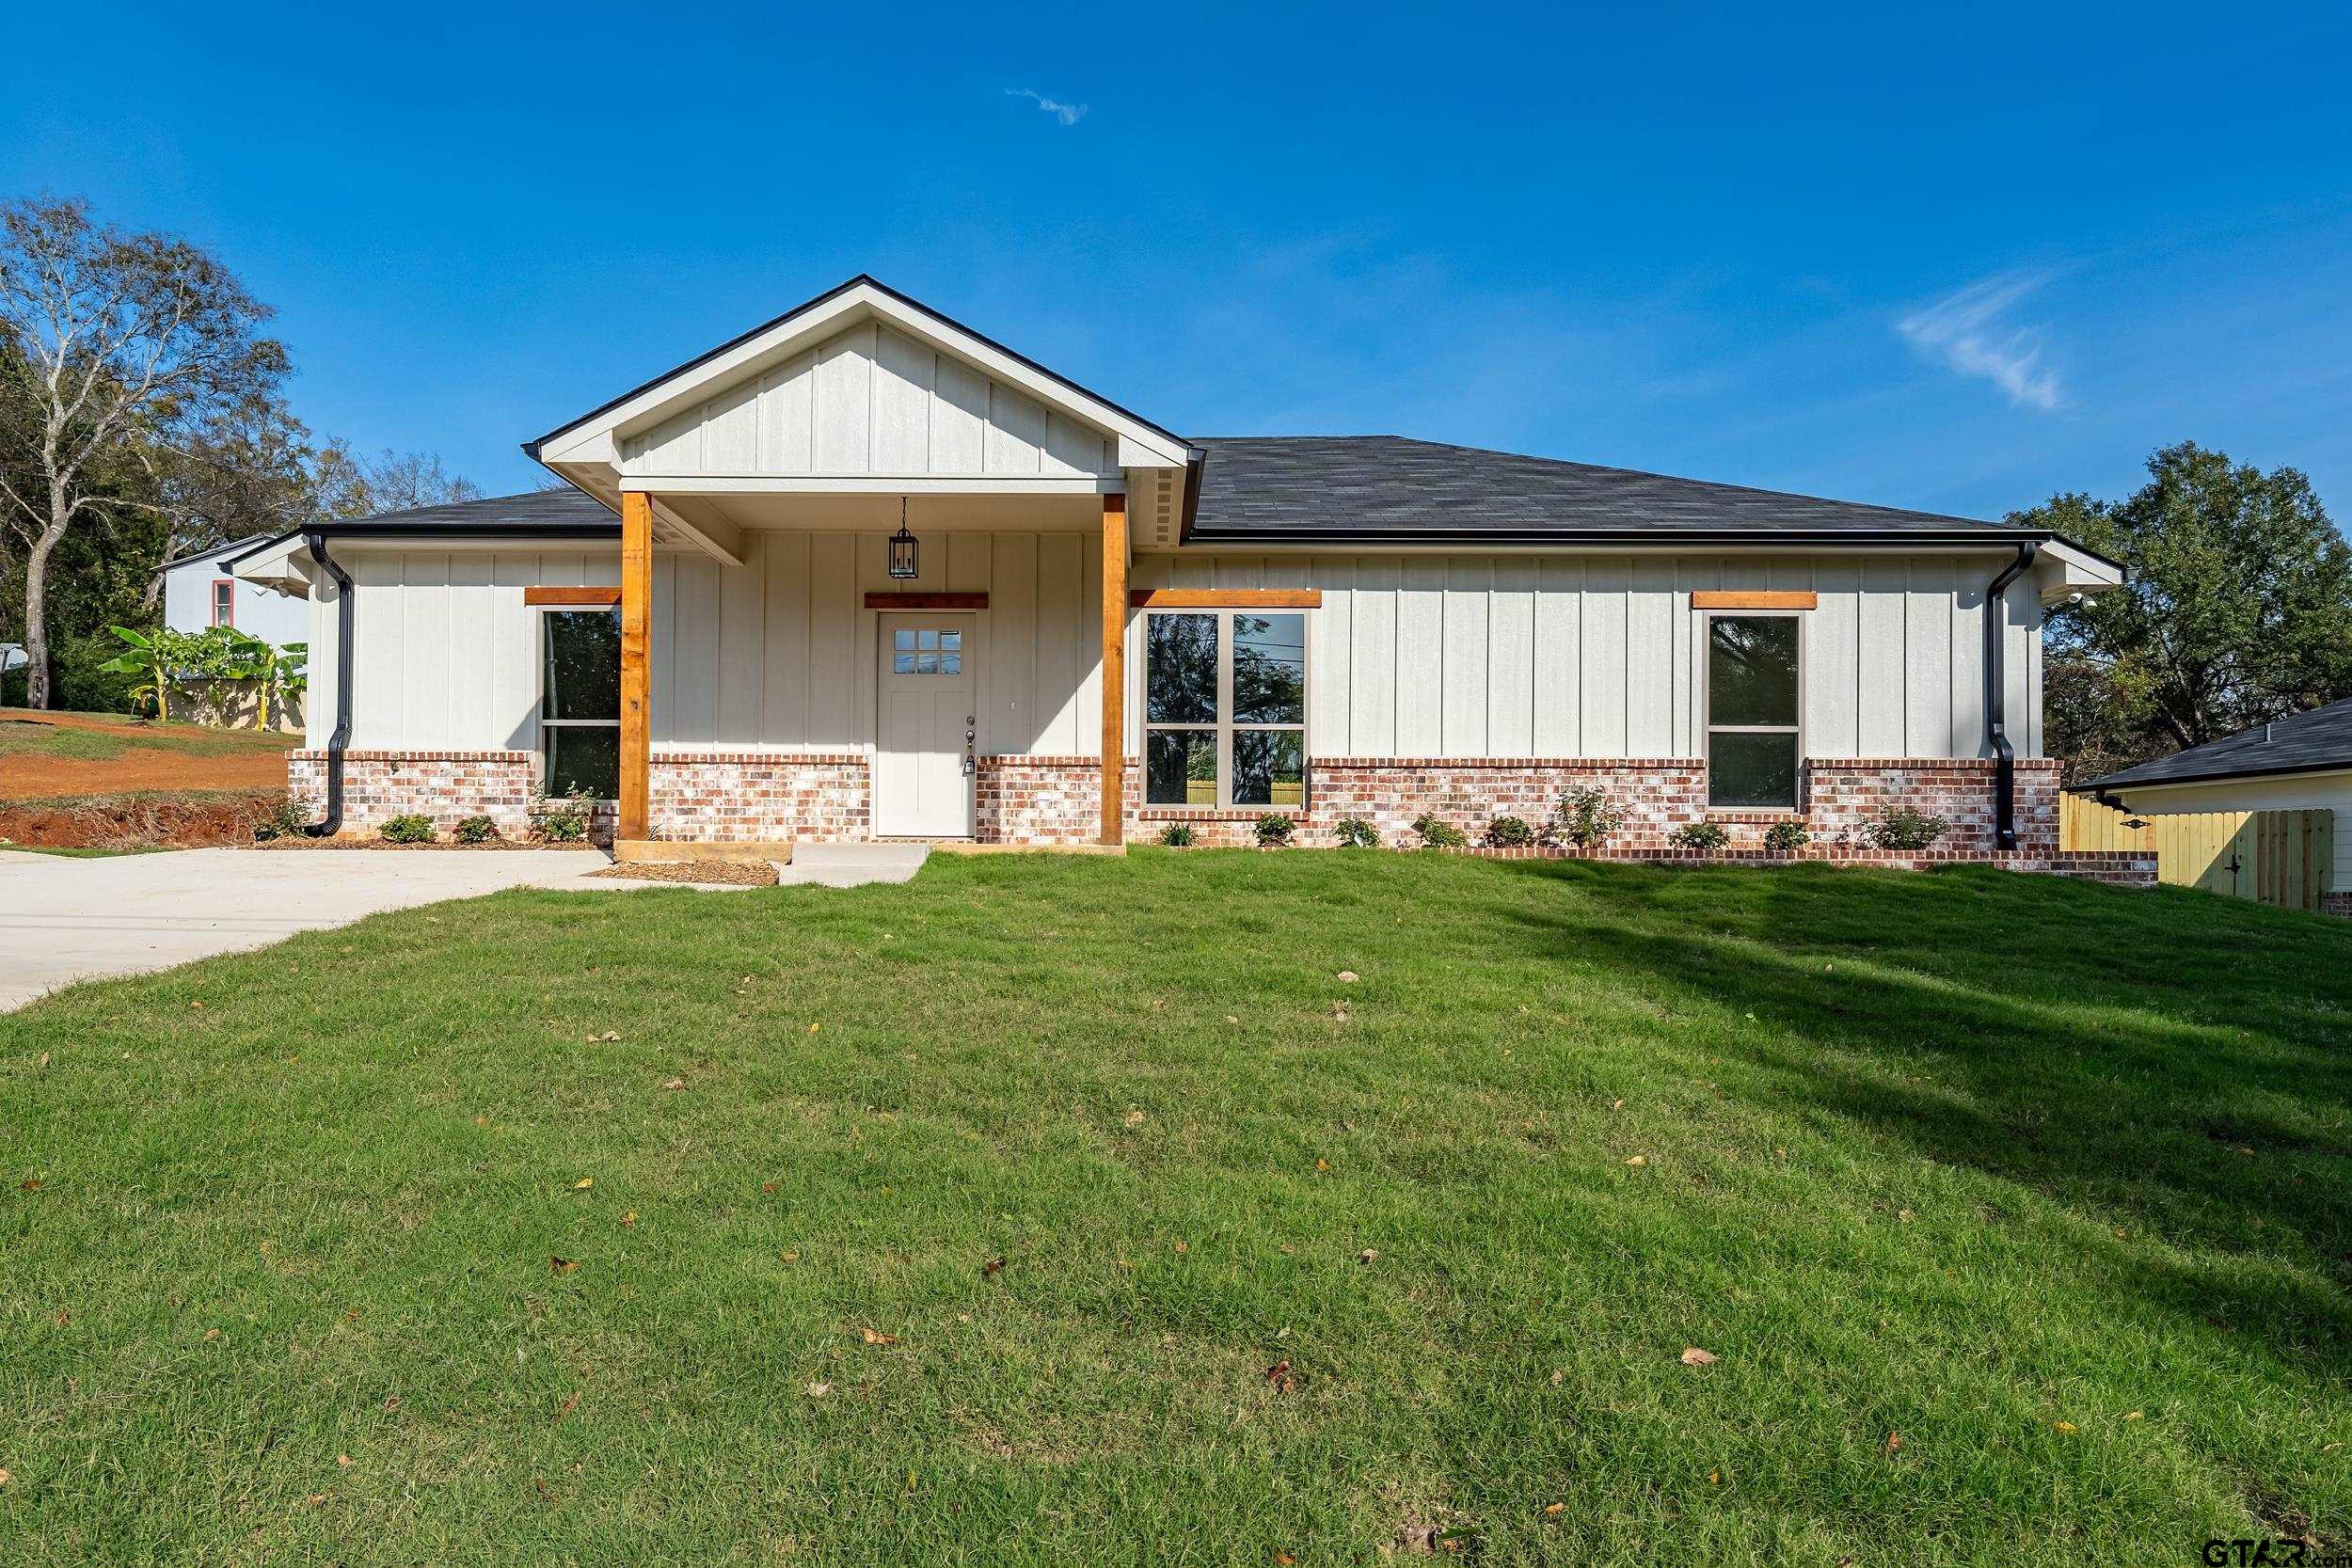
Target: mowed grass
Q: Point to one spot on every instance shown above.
(23, 735)
(2014, 1212)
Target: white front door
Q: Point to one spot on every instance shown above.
(924, 714)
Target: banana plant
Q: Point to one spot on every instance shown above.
(276, 672)
(150, 654)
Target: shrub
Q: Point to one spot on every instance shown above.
(410, 828)
(1274, 831)
(1438, 833)
(475, 830)
(284, 819)
(1510, 832)
(1586, 817)
(1786, 836)
(1703, 835)
(1904, 827)
(1177, 835)
(1354, 833)
(562, 819)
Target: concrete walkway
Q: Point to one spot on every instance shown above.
(64, 919)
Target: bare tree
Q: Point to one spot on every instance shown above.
(127, 345)
(348, 486)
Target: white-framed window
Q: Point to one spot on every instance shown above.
(1225, 709)
(579, 700)
(224, 601)
(1754, 705)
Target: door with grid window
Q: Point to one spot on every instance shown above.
(927, 703)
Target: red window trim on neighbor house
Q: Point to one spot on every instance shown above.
(224, 605)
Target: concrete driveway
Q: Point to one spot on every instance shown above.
(63, 920)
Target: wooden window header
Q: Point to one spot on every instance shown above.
(572, 599)
(926, 601)
(1225, 598)
(1712, 598)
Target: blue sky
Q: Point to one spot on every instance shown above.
(1952, 259)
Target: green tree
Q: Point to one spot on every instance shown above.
(2237, 609)
(123, 346)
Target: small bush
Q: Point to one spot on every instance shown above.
(1438, 833)
(284, 819)
(411, 829)
(1701, 836)
(1274, 831)
(475, 830)
(1177, 835)
(1354, 833)
(1510, 832)
(1786, 836)
(1902, 828)
(562, 819)
(1586, 817)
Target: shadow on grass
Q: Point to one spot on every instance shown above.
(2059, 1036)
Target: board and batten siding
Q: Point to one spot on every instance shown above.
(872, 402)
(1409, 655)
(779, 653)
(1559, 656)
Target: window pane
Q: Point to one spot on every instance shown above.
(927, 638)
(951, 641)
(1752, 769)
(902, 664)
(584, 673)
(1180, 767)
(927, 664)
(1752, 669)
(902, 639)
(1269, 668)
(1269, 767)
(1182, 668)
(584, 755)
(951, 664)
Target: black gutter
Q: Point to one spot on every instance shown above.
(345, 592)
(1996, 692)
(1650, 537)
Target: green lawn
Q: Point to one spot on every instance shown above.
(21, 735)
(2048, 1182)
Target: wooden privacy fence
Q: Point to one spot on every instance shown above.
(2281, 857)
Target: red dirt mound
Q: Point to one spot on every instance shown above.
(125, 823)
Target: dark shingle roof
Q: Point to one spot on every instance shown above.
(553, 513)
(2299, 743)
(1387, 488)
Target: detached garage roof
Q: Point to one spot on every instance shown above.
(1389, 489)
(2313, 743)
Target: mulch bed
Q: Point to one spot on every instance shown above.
(738, 872)
(129, 821)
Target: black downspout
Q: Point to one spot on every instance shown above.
(335, 743)
(1995, 690)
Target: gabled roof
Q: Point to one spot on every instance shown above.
(209, 551)
(1388, 489)
(861, 294)
(2310, 742)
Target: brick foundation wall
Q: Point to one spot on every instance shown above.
(761, 796)
(1843, 796)
(2336, 903)
(447, 786)
(1042, 800)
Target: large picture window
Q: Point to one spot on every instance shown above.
(579, 702)
(1752, 726)
(1225, 709)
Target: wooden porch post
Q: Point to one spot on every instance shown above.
(1114, 668)
(636, 619)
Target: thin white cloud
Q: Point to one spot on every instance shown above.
(1069, 114)
(1967, 330)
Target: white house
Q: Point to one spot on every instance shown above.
(863, 572)
(199, 591)
(2300, 763)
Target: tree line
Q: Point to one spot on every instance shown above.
(143, 417)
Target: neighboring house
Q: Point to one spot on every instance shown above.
(2300, 763)
(862, 572)
(200, 591)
